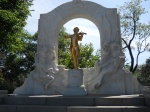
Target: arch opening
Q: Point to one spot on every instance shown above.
(91, 40)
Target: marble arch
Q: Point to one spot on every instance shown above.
(106, 20)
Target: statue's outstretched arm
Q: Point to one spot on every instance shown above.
(67, 36)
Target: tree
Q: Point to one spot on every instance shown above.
(87, 58)
(19, 64)
(13, 15)
(144, 77)
(133, 30)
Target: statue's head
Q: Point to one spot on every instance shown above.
(76, 29)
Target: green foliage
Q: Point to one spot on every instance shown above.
(144, 77)
(14, 44)
(5, 85)
(133, 30)
(22, 61)
(64, 56)
(2, 80)
(13, 15)
(18, 65)
(87, 59)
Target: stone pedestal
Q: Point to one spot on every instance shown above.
(75, 85)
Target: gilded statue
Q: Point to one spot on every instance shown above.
(74, 47)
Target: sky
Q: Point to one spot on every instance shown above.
(45, 6)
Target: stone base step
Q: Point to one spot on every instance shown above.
(109, 109)
(58, 100)
(35, 108)
(59, 103)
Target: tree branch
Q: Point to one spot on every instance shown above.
(124, 41)
(134, 28)
(124, 47)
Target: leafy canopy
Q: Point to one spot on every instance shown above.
(144, 77)
(13, 15)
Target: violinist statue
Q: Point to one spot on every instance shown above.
(74, 47)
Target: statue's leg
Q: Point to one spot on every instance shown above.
(77, 56)
(72, 53)
(74, 57)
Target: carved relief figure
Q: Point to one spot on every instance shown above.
(113, 64)
(102, 67)
(113, 60)
(74, 47)
(45, 63)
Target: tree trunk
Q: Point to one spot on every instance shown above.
(132, 58)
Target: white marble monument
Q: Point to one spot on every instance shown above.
(107, 77)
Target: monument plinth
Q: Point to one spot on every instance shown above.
(75, 85)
